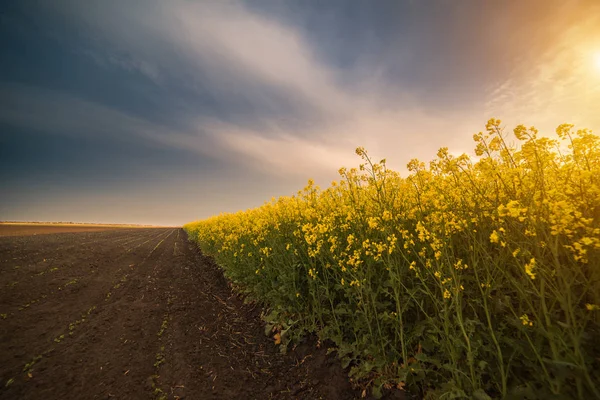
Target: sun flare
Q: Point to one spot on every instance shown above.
(597, 61)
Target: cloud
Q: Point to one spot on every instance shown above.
(252, 90)
(242, 103)
(61, 113)
(555, 82)
(126, 62)
(284, 110)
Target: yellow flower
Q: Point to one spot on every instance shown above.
(529, 232)
(459, 265)
(447, 294)
(530, 267)
(494, 237)
(525, 320)
(386, 215)
(350, 239)
(592, 307)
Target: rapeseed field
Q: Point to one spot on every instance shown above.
(468, 278)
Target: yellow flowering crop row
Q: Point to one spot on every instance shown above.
(468, 278)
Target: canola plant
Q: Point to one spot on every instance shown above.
(468, 278)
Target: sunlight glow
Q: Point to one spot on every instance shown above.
(597, 61)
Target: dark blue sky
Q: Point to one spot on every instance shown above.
(164, 112)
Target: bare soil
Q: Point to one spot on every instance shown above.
(14, 229)
(140, 314)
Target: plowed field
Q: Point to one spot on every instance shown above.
(139, 314)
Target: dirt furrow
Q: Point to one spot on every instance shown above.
(155, 320)
(35, 333)
(16, 248)
(38, 257)
(122, 328)
(62, 277)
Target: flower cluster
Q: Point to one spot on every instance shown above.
(472, 276)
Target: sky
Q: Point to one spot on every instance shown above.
(163, 112)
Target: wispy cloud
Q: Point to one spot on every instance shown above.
(280, 96)
(284, 109)
(558, 82)
(64, 114)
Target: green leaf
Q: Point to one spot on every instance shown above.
(482, 364)
(268, 329)
(480, 394)
(376, 392)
